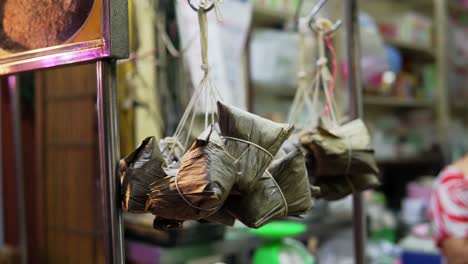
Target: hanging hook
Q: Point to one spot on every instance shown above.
(334, 28)
(311, 19)
(316, 9)
(196, 9)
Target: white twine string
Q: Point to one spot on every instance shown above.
(190, 203)
(333, 120)
(250, 143)
(308, 96)
(219, 15)
(302, 97)
(206, 87)
(286, 209)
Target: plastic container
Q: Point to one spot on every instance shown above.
(281, 250)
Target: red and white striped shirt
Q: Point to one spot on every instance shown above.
(449, 205)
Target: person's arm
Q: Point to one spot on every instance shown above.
(455, 250)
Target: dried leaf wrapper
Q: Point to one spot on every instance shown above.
(138, 170)
(340, 160)
(251, 139)
(336, 151)
(263, 203)
(222, 216)
(201, 186)
(291, 176)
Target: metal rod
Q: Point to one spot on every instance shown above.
(14, 90)
(442, 94)
(2, 228)
(109, 154)
(316, 9)
(356, 111)
(297, 14)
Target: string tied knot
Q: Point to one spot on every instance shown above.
(205, 68)
(322, 61)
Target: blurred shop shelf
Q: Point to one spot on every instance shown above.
(461, 105)
(388, 101)
(412, 49)
(429, 158)
(268, 16)
(407, 161)
(457, 9)
(418, 3)
(276, 90)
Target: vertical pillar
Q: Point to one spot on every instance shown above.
(442, 88)
(2, 232)
(14, 91)
(109, 155)
(356, 111)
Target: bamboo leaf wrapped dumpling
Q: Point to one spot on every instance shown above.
(251, 139)
(260, 204)
(343, 149)
(202, 184)
(221, 216)
(341, 160)
(283, 191)
(291, 176)
(138, 170)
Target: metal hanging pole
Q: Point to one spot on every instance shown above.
(2, 228)
(442, 94)
(14, 91)
(356, 111)
(109, 155)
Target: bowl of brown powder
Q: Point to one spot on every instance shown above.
(27, 24)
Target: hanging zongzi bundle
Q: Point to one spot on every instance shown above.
(201, 185)
(340, 160)
(282, 191)
(138, 170)
(251, 139)
(343, 149)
